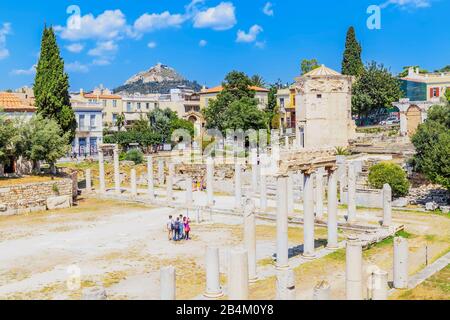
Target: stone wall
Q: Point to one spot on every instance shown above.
(368, 198)
(30, 197)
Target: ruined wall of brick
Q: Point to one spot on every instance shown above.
(30, 197)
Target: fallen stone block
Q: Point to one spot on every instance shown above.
(431, 206)
(60, 202)
(400, 202)
(444, 209)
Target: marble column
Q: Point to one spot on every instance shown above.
(101, 171)
(263, 192)
(210, 181)
(254, 163)
(351, 194)
(189, 193)
(133, 183)
(237, 186)
(286, 142)
(169, 186)
(285, 285)
(290, 193)
(322, 291)
(353, 269)
(332, 224)
(400, 263)
(250, 237)
(168, 283)
(301, 183)
(387, 205)
(342, 175)
(150, 179)
(403, 124)
(308, 217)
(213, 288)
(380, 285)
(282, 224)
(319, 192)
(238, 280)
(88, 180)
(117, 170)
(161, 172)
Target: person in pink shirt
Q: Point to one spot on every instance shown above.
(187, 228)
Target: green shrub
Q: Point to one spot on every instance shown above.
(391, 174)
(135, 155)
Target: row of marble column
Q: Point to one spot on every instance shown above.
(240, 274)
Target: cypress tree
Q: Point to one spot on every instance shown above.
(352, 64)
(51, 85)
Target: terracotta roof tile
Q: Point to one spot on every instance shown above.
(9, 102)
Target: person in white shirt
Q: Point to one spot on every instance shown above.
(170, 226)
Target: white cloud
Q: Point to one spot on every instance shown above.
(77, 67)
(155, 21)
(152, 45)
(221, 17)
(251, 36)
(4, 31)
(408, 3)
(24, 72)
(203, 43)
(268, 9)
(108, 25)
(104, 48)
(101, 62)
(75, 47)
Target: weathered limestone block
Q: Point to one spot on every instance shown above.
(94, 294)
(60, 202)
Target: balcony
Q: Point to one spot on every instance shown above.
(84, 128)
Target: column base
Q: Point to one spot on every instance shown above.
(309, 256)
(213, 295)
(332, 247)
(253, 280)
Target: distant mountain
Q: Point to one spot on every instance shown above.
(158, 79)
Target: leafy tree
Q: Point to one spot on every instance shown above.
(447, 94)
(48, 141)
(432, 143)
(375, 88)
(235, 99)
(258, 81)
(352, 64)
(51, 85)
(392, 174)
(405, 71)
(120, 121)
(8, 139)
(444, 69)
(135, 155)
(309, 65)
(244, 114)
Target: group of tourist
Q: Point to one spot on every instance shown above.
(179, 228)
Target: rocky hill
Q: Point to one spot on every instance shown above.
(158, 79)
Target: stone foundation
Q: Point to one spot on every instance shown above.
(31, 197)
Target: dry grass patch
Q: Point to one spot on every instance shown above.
(7, 182)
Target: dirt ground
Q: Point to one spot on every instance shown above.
(121, 246)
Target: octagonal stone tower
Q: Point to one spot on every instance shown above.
(323, 109)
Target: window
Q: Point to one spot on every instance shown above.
(282, 102)
(81, 122)
(92, 122)
(434, 92)
(139, 106)
(104, 103)
(114, 118)
(147, 106)
(128, 106)
(114, 103)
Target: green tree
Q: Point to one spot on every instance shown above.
(120, 121)
(432, 143)
(258, 81)
(51, 85)
(8, 139)
(375, 88)
(405, 71)
(352, 64)
(444, 69)
(244, 114)
(236, 97)
(308, 65)
(389, 173)
(447, 94)
(48, 141)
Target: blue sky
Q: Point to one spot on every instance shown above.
(204, 39)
